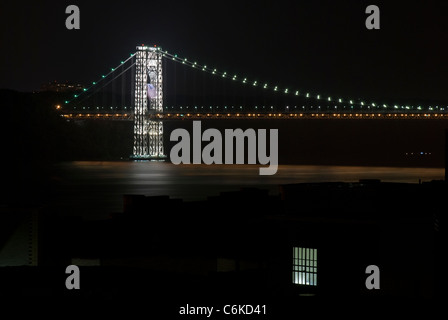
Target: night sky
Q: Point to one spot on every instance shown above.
(321, 46)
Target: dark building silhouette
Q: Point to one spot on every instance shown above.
(310, 239)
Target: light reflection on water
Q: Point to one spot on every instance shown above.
(95, 188)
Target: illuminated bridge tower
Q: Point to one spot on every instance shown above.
(148, 132)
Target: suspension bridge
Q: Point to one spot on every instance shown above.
(140, 89)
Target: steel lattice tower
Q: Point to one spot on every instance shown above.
(148, 133)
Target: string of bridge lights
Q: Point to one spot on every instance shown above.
(308, 95)
(95, 84)
(264, 85)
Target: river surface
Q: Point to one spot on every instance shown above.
(94, 189)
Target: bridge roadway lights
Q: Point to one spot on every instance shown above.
(303, 115)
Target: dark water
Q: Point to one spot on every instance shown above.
(95, 189)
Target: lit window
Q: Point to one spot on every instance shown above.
(304, 266)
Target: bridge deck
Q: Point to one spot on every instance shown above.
(253, 116)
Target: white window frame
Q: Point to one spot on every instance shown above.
(304, 266)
